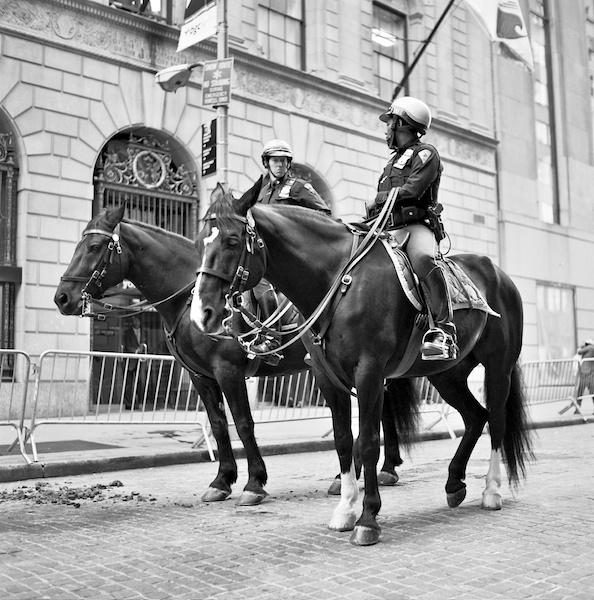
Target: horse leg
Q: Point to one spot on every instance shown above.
(235, 390)
(344, 515)
(497, 388)
(392, 459)
(453, 387)
(210, 392)
(370, 393)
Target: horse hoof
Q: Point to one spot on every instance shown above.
(342, 523)
(250, 498)
(365, 536)
(215, 495)
(492, 502)
(334, 489)
(386, 478)
(456, 498)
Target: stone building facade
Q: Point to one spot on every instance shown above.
(77, 95)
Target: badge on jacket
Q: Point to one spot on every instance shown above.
(401, 162)
(425, 155)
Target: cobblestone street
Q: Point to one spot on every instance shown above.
(153, 538)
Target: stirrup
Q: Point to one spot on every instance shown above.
(441, 347)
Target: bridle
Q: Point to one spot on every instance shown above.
(234, 297)
(94, 283)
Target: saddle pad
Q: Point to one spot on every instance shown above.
(463, 291)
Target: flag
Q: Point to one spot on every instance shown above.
(198, 26)
(505, 24)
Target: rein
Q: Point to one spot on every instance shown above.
(100, 272)
(234, 300)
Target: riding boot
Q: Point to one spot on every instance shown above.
(267, 303)
(440, 342)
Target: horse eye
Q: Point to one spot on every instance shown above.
(95, 248)
(232, 242)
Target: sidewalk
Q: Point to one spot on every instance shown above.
(74, 449)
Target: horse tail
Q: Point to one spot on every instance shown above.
(402, 398)
(517, 443)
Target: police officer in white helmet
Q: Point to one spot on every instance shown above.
(415, 169)
(280, 186)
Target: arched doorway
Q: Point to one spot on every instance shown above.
(155, 179)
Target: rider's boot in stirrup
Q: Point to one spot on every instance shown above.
(267, 343)
(439, 343)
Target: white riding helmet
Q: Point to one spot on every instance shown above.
(411, 110)
(276, 148)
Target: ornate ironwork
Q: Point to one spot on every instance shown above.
(147, 165)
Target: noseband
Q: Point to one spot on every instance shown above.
(100, 271)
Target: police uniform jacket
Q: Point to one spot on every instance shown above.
(290, 190)
(416, 170)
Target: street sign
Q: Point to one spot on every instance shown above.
(198, 27)
(216, 82)
(209, 148)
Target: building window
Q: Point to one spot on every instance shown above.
(161, 10)
(10, 273)
(548, 200)
(388, 36)
(555, 316)
(280, 32)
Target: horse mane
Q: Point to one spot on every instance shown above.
(155, 229)
(223, 210)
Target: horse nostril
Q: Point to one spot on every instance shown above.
(207, 316)
(61, 300)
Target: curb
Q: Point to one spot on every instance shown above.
(13, 473)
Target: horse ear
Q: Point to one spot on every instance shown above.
(113, 217)
(251, 196)
(217, 194)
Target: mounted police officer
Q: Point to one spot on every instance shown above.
(415, 170)
(280, 186)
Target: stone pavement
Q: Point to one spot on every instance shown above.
(150, 537)
(69, 449)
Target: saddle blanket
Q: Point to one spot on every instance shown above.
(463, 291)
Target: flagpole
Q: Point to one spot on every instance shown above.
(426, 43)
(222, 109)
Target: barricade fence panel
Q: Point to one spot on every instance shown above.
(15, 373)
(108, 387)
(560, 380)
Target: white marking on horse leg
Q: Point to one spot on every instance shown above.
(196, 309)
(492, 492)
(344, 515)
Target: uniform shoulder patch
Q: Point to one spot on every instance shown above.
(309, 187)
(425, 155)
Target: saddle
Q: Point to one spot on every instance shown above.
(463, 292)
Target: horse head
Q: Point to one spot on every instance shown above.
(233, 257)
(98, 263)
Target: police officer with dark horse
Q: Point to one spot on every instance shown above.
(415, 170)
(280, 186)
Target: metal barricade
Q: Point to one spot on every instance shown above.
(551, 381)
(288, 398)
(114, 388)
(15, 371)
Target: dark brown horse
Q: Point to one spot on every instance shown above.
(302, 253)
(161, 265)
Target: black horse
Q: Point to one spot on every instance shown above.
(304, 254)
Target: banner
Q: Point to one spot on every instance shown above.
(198, 27)
(505, 24)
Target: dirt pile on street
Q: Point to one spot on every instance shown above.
(47, 493)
